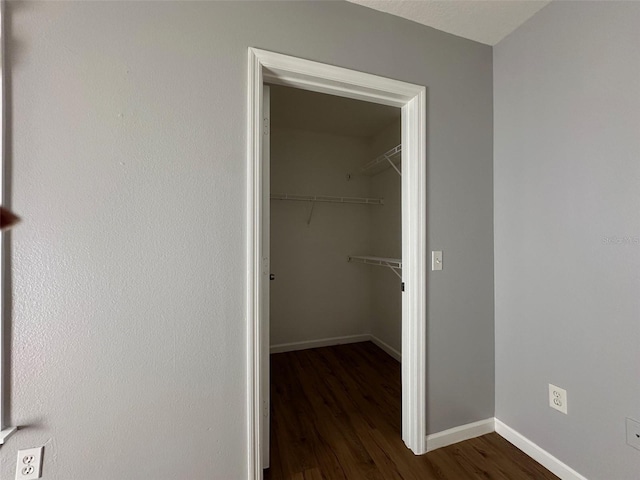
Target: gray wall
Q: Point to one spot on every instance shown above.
(567, 123)
(128, 136)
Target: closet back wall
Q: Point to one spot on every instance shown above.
(317, 294)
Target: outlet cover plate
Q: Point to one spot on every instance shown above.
(558, 398)
(29, 466)
(633, 433)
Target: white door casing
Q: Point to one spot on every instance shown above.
(266, 272)
(281, 69)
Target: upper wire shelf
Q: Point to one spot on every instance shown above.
(388, 159)
(328, 199)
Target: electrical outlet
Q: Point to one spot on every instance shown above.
(29, 464)
(633, 433)
(558, 398)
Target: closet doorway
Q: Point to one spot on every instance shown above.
(276, 69)
(335, 294)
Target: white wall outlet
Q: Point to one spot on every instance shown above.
(29, 464)
(436, 260)
(633, 433)
(558, 398)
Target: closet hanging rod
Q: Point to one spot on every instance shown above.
(395, 264)
(327, 199)
(386, 157)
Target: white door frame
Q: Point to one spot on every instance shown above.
(281, 69)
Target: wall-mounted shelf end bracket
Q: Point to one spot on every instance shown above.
(395, 264)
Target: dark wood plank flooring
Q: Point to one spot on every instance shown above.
(336, 415)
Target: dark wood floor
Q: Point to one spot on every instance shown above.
(336, 415)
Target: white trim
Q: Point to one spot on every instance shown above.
(562, 470)
(386, 347)
(265, 236)
(332, 341)
(459, 434)
(483, 427)
(6, 433)
(324, 342)
(254, 279)
(3, 353)
(414, 273)
(318, 77)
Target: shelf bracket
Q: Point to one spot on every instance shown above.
(393, 165)
(313, 204)
(395, 270)
(394, 264)
(377, 165)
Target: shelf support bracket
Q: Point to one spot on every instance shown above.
(313, 204)
(393, 165)
(394, 270)
(395, 266)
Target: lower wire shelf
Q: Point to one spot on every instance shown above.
(395, 264)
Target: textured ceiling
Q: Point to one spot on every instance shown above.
(485, 21)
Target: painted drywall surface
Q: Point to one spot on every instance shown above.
(386, 241)
(323, 113)
(128, 144)
(567, 246)
(317, 294)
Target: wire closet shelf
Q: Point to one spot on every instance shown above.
(327, 199)
(395, 264)
(391, 158)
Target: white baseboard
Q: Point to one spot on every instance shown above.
(328, 342)
(540, 455)
(386, 347)
(460, 434)
(324, 342)
(456, 434)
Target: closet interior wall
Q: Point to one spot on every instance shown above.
(317, 294)
(386, 240)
